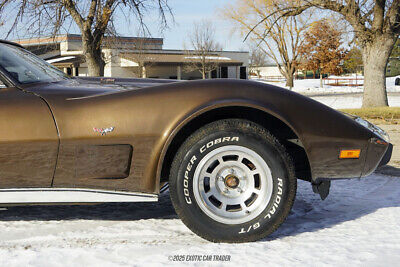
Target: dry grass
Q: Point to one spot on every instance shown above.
(382, 115)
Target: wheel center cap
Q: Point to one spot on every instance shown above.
(232, 181)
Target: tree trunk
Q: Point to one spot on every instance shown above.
(375, 58)
(321, 83)
(288, 71)
(93, 55)
(95, 63)
(289, 80)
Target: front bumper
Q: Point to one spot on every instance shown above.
(378, 154)
(388, 155)
(379, 151)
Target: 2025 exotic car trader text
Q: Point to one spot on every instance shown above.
(230, 150)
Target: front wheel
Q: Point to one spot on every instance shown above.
(232, 181)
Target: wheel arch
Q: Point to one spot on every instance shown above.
(266, 118)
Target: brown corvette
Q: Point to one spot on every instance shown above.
(230, 150)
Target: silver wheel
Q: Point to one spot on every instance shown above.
(232, 184)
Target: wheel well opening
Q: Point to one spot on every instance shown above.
(278, 128)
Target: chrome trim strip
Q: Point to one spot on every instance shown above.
(70, 195)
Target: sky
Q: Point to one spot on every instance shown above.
(189, 11)
(186, 13)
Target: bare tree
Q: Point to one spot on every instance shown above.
(141, 55)
(376, 25)
(257, 59)
(283, 38)
(202, 57)
(94, 19)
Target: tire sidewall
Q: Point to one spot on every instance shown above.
(206, 142)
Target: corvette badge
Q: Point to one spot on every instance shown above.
(103, 131)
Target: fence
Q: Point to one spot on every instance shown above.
(344, 81)
(276, 78)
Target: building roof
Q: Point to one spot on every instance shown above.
(176, 58)
(78, 38)
(66, 61)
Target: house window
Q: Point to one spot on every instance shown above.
(214, 74)
(243, 73)
(224, 72)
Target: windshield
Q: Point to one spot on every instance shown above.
(25, 67)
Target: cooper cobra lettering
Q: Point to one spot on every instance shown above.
(189, 166)
(186, 180)
(218, 141)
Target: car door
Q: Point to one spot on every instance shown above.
(28, 140)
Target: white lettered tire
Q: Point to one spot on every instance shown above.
(232, 181)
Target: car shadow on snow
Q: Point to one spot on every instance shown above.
(108, 211)
(389, 170)
(349, 200)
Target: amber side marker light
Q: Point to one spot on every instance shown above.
(350, 154)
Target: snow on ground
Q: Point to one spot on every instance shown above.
(312, 86)
(339, 97)
(357, 225)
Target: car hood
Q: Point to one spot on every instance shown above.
(89, 87)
